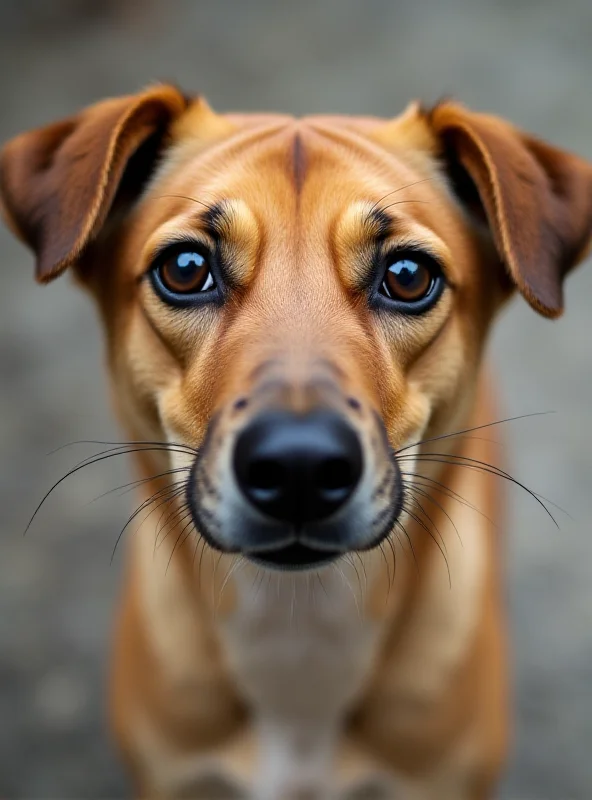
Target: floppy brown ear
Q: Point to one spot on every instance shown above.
(58, 183)
(537, 198)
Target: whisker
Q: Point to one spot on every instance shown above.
(203, 549)
(388, 569)
(376, 205)
(470, 430)
(214, 571)
(318, 575)
(399, 524)
(337, 566)
(447, 492)
(260, 584)
(400, 202)
(422, 524)
(181, 538)
(128, 487)
(351, 562)
(122, 444)
(208, 206)
(475, 464)
(431, 521)
(167, 518)
(175, 518)
(145, 504)
(413, 488)
(116, 451)
(73, 471)
(391, 544)
(363, 566)
(229, 573)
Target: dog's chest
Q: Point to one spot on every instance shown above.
(300, 649)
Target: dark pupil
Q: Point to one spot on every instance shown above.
(186, 265)
(407, 273)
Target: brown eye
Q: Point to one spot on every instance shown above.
(185, 272)
(409, 279)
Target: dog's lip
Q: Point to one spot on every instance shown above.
(294, 556)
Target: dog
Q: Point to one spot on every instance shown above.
(295, 313)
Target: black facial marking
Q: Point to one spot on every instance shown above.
(214, 219)
(381, 224)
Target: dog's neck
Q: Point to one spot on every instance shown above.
(300, 647)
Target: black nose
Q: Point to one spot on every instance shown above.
(298, 468)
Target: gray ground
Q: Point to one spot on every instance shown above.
(531, 61)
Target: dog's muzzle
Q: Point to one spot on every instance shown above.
(295, 489)
(298, 470)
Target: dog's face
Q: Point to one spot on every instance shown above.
(296, 299)
(299, 321)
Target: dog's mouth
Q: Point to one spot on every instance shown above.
(295, 556)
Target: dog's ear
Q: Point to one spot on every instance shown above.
(58, 183)
(537, 199)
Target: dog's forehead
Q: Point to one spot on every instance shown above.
(222, 146)
(286, 172)
(276, 184)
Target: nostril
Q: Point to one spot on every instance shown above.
(334, 474)
(266, 475)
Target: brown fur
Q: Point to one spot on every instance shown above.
(295, 206)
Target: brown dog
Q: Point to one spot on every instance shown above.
(295, 313)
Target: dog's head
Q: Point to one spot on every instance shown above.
(296, 299)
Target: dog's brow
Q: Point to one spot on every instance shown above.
(377, 224)
(215, 219)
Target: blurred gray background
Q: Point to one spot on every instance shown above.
(530, 61)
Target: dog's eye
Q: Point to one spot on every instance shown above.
(185, 271)
(412, 279)
(407, 280)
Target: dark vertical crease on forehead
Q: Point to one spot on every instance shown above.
(298, 161)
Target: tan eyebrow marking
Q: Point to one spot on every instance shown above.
(239, 235)
(364, 230)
